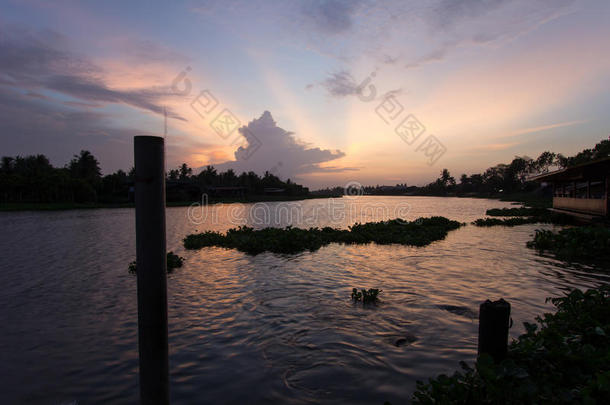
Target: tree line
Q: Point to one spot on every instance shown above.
(514, 176)
(499, 179)
(32, 179)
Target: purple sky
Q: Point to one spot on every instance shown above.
(322, 92)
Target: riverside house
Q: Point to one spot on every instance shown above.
(581, 188)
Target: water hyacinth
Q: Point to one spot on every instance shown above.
(420, 232)
(543, 217)
(516, 212)
(173, 261)
(366, 296)
(582, 244)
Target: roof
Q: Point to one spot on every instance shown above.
(584, 171)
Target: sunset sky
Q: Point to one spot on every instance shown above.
(488, 79)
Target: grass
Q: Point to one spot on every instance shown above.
(369, 296)
(579, 244)
(173, 261)
(290, 240)
(564, 358)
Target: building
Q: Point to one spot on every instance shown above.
(581, 188)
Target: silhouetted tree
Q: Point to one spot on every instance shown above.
(185, 172)
(85, 166)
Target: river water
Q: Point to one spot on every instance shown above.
(260, 329)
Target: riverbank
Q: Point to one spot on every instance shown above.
(76, 206)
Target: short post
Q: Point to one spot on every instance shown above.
(494, 319)
(151, 269)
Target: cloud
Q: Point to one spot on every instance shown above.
(435, 56)
(59, 130)
(38, 61)
(53, 99)
(331, 16)
(382, 29)
(546, 127)
(145, 50)
(447, 13)
(474, 23)
(27, 122)
(341, 84)
(271, 148)
(92, 89)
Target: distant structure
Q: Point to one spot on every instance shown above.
(581, 189)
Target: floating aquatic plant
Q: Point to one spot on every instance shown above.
(366, 296)
(516, 212)
(504, 222)
(581, 244)
(420, 232)
(548, 217)
(173, 261)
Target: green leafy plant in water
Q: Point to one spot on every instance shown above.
(564, 358)
(517, 212)
(546, 218)
(369, 296)
(173, 261)
(293, 240)
(580, 244)
(504, 222)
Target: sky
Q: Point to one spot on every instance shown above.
(322, 92)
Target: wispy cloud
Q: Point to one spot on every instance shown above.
(546, 127)
(331, 16)
(35, 61)
(434, 56)
(340, 84)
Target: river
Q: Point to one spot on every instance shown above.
(260, 329)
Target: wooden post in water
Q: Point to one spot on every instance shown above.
(149, 152)
(494, 319)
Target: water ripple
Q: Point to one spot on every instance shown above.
(258, 329)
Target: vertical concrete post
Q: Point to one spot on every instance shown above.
(494, 319)
(607, 196)
(151, 269)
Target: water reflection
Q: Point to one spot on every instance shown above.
(265, 328)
